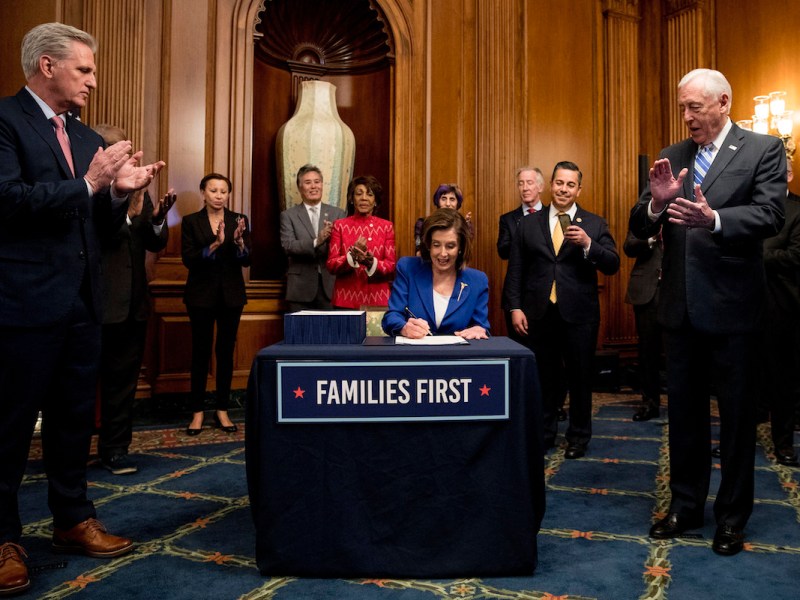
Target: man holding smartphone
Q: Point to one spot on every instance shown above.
(551, 292)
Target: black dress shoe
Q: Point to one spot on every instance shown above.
(673, 525)
(645, 413)
(575, 451)
(786, 457)
(728, 540)
(227, 428)
(192, 431)
(716, 452)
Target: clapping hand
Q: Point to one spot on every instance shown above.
(163, 205)
(692, 214)
(135, 204)
(359, 252)
(116, 166)
(663, 186)
(237, 235)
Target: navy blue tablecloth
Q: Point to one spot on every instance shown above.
(421, 500)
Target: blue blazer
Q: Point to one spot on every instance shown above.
(49, 226)
(413, 288)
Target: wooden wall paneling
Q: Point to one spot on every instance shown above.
(757, 51)
(451, 86)
(501, 127)
(272, 106)
(18, 18)
(690, 45)
(364, 103)
(620, 73)
(408, 158)
(119, 28)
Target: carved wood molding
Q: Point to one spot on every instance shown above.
(673, 7)
(119, 28)
(502, 131)
(622, 118)
(689, 45)
(237, 24)
(345, 37)
(621, 8)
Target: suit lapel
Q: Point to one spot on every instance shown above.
(302, 215)
(732, 144)
(43, 129)
(82, 150)
(544, 223)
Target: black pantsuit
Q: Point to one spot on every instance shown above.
(214, 293)
(202, 322)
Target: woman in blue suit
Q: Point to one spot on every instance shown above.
(435, 293)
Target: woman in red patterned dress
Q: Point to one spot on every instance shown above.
(362, 253)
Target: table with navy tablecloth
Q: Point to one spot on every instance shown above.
(428, 499)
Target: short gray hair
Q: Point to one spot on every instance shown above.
(714, 83)
(537, 170)
(55, 39)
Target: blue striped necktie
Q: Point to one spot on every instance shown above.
(702, 163)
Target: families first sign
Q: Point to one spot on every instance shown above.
(336, 392)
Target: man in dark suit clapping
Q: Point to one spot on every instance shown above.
(59, 188)
(715, 197)
(551, 291)
(126, 307)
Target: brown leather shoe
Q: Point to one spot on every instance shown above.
(13, 572)
(92, 539)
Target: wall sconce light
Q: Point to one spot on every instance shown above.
(770, 116)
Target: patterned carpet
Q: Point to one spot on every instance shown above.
(188, 510)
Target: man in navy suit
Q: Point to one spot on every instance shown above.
(551, 291)
(58, 189)
(715, 196)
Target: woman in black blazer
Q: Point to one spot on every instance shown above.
(215, 247)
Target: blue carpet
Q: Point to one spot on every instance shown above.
(188, 511)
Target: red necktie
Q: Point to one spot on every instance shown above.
(63, 141)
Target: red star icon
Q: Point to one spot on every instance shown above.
(485, 390)
(298, 393)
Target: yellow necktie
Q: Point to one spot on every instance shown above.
(558, 239)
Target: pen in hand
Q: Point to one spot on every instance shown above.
(413, 316)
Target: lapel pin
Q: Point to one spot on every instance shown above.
(732, 147)
(579, 220)
(463, 285)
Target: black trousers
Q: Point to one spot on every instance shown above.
(650, 350)
(694, 361)
(555, 342)
(202, 322)
(778, 372)
(52, 369)
(120, 362)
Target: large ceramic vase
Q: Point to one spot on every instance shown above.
(316, 135)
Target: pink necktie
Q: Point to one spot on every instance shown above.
(63, 141)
